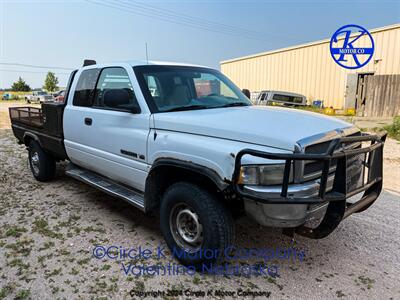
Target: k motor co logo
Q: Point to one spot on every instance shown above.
(352, 46)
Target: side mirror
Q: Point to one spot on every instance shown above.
(246, 92)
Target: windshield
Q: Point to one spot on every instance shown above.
(174, 88)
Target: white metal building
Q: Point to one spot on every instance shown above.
(309, 69)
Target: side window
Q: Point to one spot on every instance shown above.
(153, 85)
(114, 90)
(84, 91)
(285, 98)
(209, 84)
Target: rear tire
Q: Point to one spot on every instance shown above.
(43, 165)
(193, 222)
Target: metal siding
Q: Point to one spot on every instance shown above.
(310, 70)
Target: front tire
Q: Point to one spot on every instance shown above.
(43, 165)
(192, 222)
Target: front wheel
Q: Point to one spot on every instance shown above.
(197, 228)
(43, 165)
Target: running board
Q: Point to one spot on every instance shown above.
(106, 185)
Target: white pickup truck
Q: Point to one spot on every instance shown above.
(38, 96)
(185, 142)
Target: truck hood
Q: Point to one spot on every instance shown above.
(268, 126)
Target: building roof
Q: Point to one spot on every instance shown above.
(389, 27)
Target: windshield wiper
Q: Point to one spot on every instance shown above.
(187, 107)
(235, 104)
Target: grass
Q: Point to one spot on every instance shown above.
(22, 294)
(366, 281)
(21, 247)
(393, 130)
(15, 231)
(41, 226)
(5, 291)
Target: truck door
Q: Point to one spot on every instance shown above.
(260, 99)
(104, 129)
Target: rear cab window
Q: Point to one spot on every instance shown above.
(114, 90)
(85, 88)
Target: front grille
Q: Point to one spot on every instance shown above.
(317, 148)
(313, 169)
(355, 171)
(316, 166)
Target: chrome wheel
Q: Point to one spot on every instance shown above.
(186, 228)
(35, 162)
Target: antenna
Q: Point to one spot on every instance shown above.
(147, 55)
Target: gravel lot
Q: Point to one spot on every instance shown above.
(49, 230)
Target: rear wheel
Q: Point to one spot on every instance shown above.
(43, 165)
(193, 222)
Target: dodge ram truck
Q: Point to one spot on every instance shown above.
(184, 143)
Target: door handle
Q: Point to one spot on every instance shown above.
(88, 121)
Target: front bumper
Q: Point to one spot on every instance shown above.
(301, 191)
(285, 215)
(327, 196)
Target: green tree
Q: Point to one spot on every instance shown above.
(50, 83)
(20, 86)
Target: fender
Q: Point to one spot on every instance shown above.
(221, 183)
(52, 145)
(33, 136)
(154, 188)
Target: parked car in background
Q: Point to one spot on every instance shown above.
(38, 96)
(59, 96)
(7, 96)
(56, 94)
(285, 98)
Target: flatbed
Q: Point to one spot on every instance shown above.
(44, 125)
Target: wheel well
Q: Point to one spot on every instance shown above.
(27, 140)
(161, 177)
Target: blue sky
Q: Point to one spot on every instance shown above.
(63, 33)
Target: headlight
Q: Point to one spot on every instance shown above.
(263, 174)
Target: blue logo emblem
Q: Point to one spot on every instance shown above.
(352, 46)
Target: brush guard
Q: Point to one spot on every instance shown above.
(357, 170)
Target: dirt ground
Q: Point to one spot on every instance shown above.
(4, 105)
(48, 232)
